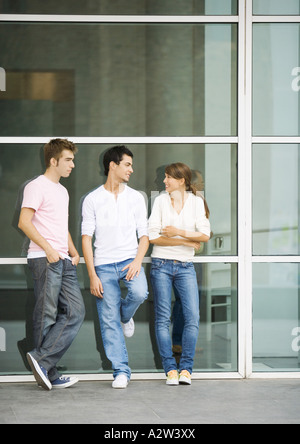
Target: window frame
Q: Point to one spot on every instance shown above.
(245, 258)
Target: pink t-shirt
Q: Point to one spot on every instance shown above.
(51, 204)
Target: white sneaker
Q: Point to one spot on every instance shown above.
(128, 329)
(121, 382)
(185, 378)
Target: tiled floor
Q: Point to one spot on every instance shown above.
(152, 402)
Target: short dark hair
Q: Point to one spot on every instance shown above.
(115, 154)
(54, 149)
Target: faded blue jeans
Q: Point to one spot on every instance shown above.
(182, 276)
(59, 311)
(113, 310)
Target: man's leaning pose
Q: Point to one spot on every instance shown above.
(52, 258)
(116, 215)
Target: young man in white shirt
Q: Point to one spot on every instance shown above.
(116, 215)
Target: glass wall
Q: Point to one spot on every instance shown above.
(276, 204)
(214, 174)
(276, 317)
(276, 7)
(276, 210)
(170, 91)
(119, 79)
(216, 348)
(120, 7)
(276, 79)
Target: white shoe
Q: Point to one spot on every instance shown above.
(172, 378)
(185, 378)
(128, 329)
(121, 382)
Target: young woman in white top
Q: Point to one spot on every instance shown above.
(177, 226)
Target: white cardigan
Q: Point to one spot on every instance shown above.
(191, 218)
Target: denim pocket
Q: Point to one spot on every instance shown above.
(37, 267)
(157, 263)
(188, 264)
(53, 264)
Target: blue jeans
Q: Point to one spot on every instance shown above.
(113, 310)
(182, 276)
(59, 311)
(177, 315)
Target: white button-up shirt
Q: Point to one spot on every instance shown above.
(116, 224)
(191, 218)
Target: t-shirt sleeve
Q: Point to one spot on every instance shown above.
(155, 224)
(33, 197)
(141, 218)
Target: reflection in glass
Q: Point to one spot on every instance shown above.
(215, 175)
(218, 343)
(216, 348)
(276, 210)
(276, 7)
(276, 332)
(276, 79)
(119, 80)
(18, 164)
(121, 7)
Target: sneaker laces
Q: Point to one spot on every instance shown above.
(186, 374)
(173, 374)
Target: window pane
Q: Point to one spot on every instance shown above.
(276, 209)
(119, 80)
(216, 348)
(214, 173)
(276, 80)
(276, 7)
(18, 164)
(121, 7)
(276, 332)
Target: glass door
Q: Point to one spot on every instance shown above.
(275, 174)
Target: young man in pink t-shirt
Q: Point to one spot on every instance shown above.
(52, 258)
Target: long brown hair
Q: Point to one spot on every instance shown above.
(182, 171)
